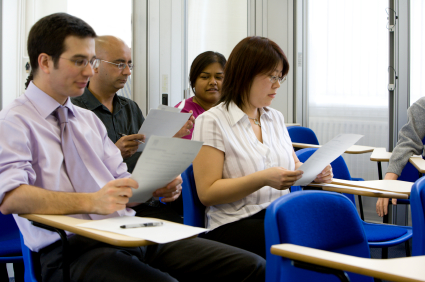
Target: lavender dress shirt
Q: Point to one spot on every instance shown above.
(30, 153)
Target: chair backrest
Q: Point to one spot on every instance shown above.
(316, 219)
(409, 172)
(417, 205)
(31, 263)
(339, 167)
(193, 209)
(10, 244)
(301, 134)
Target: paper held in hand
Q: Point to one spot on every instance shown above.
(324, 156)
(162, 160)
(164, 121)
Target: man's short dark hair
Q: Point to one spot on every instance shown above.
(48, 36)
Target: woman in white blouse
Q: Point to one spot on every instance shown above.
(247, 160)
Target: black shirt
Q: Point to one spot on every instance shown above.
(127, 118)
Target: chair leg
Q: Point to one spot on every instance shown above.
(3, 272)
(407, 246)
(385, 253)
(19, 270)
(361, 207)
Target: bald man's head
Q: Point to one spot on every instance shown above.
(108, 77)
(107, 44)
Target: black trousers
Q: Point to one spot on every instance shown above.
(247, 234)
(186, 260)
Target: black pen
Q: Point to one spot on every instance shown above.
(122, 135)
(138, 225)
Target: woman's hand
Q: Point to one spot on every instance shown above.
(325, 176)
(280, 178)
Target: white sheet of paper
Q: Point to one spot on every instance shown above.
(162, 123)
(166, 233)
(324, 156)
(163, 159)
(168, 108)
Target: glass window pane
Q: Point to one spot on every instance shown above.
(347, 75)
(417, 46)
(215, 25)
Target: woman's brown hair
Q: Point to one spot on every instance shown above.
(252, 56)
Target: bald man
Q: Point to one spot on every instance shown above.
(123, 118)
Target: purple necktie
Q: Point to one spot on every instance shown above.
(77, 171)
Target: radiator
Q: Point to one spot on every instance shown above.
(372, 123)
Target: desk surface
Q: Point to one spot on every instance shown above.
(355, 149)
(70, 224)
(387, 188)
(397, 269)
(381, 155)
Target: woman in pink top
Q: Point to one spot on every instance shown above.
(205, 78)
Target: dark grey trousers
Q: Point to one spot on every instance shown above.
(186, 260)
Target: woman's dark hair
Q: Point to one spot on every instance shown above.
(48, 36)
(201, 62)
(252, 56)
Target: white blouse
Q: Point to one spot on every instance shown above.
(230, 131)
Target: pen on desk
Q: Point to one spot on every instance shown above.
(141, 142)
(147, 224)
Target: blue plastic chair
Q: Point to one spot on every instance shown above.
(301, 134)
(309, 218)
(193, 209)
(379, 235)
(31, 262)
(10, 244)
(417, 205)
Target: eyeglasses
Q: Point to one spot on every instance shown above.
(281, 79)
(83, 62)
(121, 66)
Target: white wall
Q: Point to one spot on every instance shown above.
(9, 51)
(17, 18)
(165, 51)
(274, 19)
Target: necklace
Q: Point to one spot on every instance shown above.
(256, 121)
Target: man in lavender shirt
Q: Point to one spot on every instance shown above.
(34, 179)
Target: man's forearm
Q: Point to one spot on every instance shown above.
(31, 199)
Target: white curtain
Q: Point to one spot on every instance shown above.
(347, 75)
(417, 50)
(215, 25)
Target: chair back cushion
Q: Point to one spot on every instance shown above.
(193, 209)
(301, 134)
(10, 244)
(316, 219)
(417, 205)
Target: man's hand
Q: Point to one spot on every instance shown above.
(113, 196)
(170, 192)
(128, 144)
(382, 203)
(185, 130)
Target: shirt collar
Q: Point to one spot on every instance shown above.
(92, 103)
(236, 114)
(45, 104)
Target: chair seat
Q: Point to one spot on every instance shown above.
(10, 248)
(380, 232)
